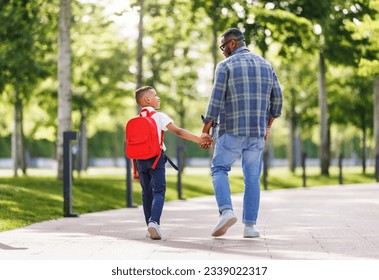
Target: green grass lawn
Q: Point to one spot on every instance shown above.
(35, 198)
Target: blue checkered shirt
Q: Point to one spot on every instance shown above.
(245, 94)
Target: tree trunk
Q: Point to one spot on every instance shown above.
(292, 145)
(376, 121)
(15, 136)
(64, 79)
(21, 138)
(83, 143)
(181, 141)
(292, 133)
(324, 129)
(14, 145)
(214, 47)
(364, 136)
(18, 148)
(140, 46)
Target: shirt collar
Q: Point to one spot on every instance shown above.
(240, 49)
(149, 108)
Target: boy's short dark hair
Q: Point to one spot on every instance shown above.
(139, 92)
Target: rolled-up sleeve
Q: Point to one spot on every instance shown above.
(276, 98)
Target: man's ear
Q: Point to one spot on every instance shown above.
(234, 44)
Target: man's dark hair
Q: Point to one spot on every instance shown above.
(234, 33)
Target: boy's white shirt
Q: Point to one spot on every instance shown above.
(162, 121)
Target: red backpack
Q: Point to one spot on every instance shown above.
(141, 137)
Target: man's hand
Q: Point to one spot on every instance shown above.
(206, 141)
(267, 132)
(270, 121)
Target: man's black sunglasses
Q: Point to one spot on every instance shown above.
(222, 47)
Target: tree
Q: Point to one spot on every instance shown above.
(64, 79)
(335, 44)
(23, 35)
(171, 58)
(219, 12)
(351, 103)
(140, 45)
(367, 28)
(100, 63)
(298, 78)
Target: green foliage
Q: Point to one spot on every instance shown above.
(340, 45)
(5, 144)
(351, 99)
(40, 148)
(25, 43)
(267, 26)
(101, 62)
(180, 47)
(310, 148)
(106, 144)
(281, 178)
(367, 29)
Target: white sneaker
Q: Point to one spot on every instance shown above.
(226, 221)
(154, 231)
(250, 232)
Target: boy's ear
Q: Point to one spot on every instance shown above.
(147, 99)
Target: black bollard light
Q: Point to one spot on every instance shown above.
(265, 169)
(303, 161)
(340, 177)
(67, 173)
(179, 157)
(129, 187)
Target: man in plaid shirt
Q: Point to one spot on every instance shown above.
(245, 99)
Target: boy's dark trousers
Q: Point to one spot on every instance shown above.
(153, 182)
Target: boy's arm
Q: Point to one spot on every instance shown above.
(188, 135)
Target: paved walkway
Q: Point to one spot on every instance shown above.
(320, 223)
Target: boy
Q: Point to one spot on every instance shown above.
(153, 181)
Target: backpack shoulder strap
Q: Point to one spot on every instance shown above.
(146, 113)
(160, 154)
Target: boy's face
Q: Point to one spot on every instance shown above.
(152, 99)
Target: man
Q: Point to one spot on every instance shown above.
(245, 99)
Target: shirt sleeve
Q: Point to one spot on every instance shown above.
(217, 98)
(162, 121)
(276, 98)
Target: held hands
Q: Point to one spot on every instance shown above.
(205, 141)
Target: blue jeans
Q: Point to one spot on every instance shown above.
(228, 149)
(153, 182)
